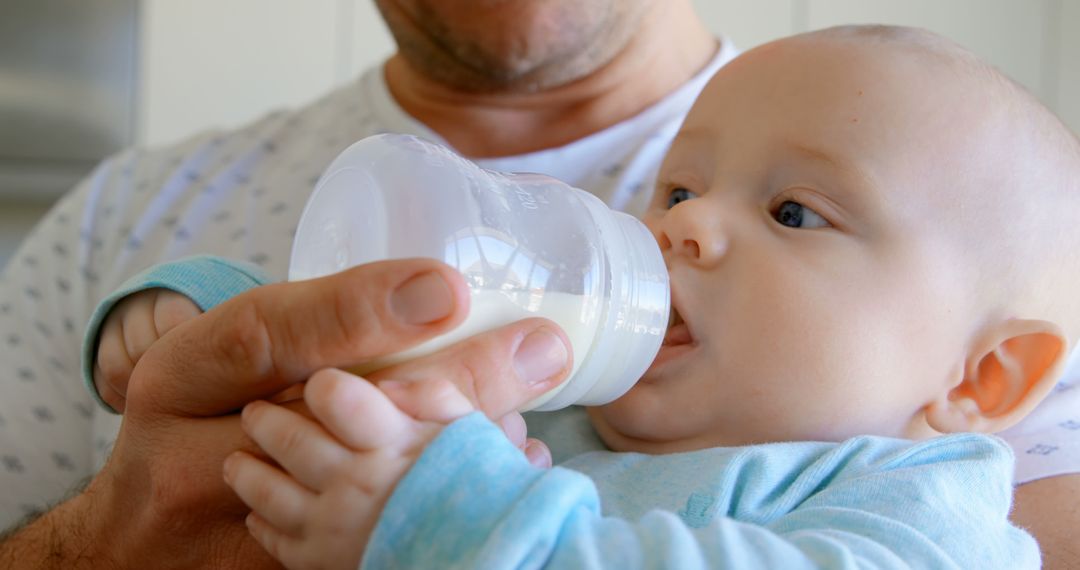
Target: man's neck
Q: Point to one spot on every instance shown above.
(669, 48)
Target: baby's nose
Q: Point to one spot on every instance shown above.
(692, 233)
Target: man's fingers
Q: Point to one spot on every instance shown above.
(266, 339)
(294, 392)
(211, 438)
(284, 548)
(353, 410)
(499, 371)
(438, 400)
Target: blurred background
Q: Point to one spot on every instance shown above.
(82, 79)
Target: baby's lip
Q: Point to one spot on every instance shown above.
(677, 335)
(678, 331)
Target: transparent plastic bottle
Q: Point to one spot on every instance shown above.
(528, 245)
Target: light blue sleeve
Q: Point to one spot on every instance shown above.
(205, 279)
(473, 501)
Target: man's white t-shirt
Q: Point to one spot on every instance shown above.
(239, 194)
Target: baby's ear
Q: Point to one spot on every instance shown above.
(1006, 375)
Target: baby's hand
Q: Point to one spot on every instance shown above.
(318, 496)
(319, 508)
(129, 330)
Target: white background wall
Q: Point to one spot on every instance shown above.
(222, 63)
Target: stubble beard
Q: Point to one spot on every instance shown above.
(558, 49)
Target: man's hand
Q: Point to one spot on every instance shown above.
(160, 501)
(1050, 510)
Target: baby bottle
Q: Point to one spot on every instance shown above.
(528, 246)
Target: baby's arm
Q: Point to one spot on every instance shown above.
(468, 503)
(471, 500)
(130, 328)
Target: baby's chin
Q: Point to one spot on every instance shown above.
(623, 428)
(611, 435)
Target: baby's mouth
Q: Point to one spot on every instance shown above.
(678, 332)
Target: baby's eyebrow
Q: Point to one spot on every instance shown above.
(833, 161)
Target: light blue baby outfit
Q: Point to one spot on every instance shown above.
(473, 501)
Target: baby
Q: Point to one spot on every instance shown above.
(869, 244)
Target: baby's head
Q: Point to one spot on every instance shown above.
(869, 231)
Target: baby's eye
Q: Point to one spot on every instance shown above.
(795, 215)
(678, 196)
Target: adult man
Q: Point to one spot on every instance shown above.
(589, 92)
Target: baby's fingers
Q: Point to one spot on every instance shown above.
(113, 366)
(355, 411)
(136, 323)
(513, 425)
(148, 315)
(137, 315)
(171, 309)
(304, 449)
(537, 453)
(271, 494)
(284, 548)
